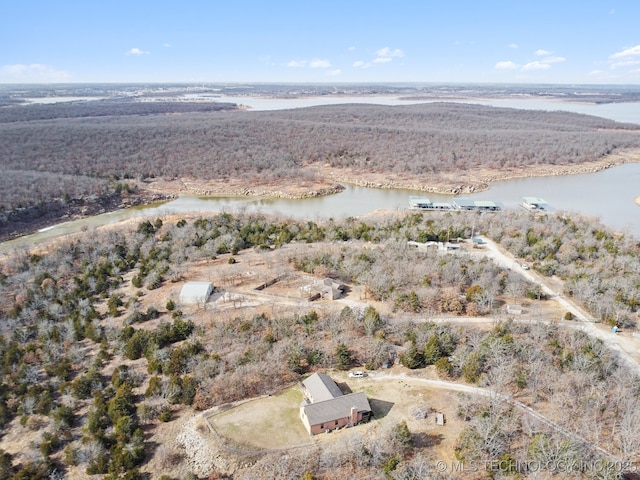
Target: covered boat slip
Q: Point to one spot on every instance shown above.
(533, 203)
(424, 203)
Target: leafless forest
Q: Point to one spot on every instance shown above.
(84, 364)
(63, 152)
(90, 370)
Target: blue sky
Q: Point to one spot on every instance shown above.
(559, 41)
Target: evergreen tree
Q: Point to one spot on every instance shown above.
(432, 351)
(343, 356)
(412, 358)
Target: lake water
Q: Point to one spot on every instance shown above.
(607, 195)
(621, 112)
(52, 100)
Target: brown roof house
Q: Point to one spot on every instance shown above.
(325, 408)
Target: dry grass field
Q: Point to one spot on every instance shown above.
(272, 423)
(263, 423)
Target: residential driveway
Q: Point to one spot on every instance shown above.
(473, 390)
(625, 347)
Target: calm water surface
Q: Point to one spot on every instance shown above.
(607, 195)
(621, 112)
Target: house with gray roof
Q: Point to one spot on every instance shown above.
(325, 408)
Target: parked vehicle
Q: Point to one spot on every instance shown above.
(357, 374)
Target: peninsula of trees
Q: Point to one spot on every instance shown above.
(65, 157)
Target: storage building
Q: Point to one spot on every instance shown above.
(195, 292)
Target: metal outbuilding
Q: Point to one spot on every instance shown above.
(195, 292)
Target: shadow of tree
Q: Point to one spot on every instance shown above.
(380, 408)
(424, 439)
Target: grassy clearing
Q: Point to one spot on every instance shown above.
(265, 423)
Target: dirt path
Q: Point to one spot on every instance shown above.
(458, 387)
(625, 348)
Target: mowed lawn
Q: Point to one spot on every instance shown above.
(265, 423)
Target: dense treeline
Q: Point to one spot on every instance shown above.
(599, 268)
(86, 366)
(417, 140)
(24, 188)
(106, 108)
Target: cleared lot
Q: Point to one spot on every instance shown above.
(273, 422)
(263, 423)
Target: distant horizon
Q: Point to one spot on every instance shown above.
(327, 83)
(307, 41)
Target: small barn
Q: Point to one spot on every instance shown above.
(195, 292)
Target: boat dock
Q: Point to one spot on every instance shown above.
(479, 205)
(533, 204)
(423, 203)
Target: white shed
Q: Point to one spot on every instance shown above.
(195, 292)
(514, 309)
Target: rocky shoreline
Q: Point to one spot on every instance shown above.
(249, 192)
(473, 181)
(329, 181)
(29, 220)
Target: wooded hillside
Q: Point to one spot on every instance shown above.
(97, 355)
(173, 141)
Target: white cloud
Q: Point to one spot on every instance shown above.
(629, 57)
(508, 65)
(383, 55)
(628, 52)
(513, 45)
(626, 63)
(553, 60)
(541, 64)
(317, 63)
(35, 72)
(167, 45)
(334, 73)
(387, 52)
(136, 52)
(535, 66)
(352, 49)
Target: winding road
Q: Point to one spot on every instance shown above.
(621, 346)
(485, 392)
